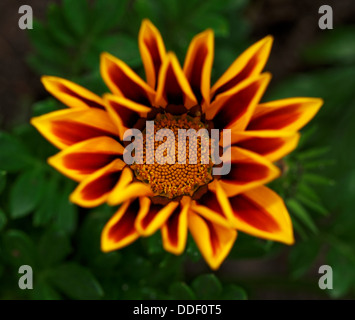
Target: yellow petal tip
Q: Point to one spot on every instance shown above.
(33, 121)
(269, 39)
(105, 247)
(45, 79)
(267, 76)
(146, 23)
(105, 56)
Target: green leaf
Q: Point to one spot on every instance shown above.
(45, 106)
(46, 48)
(302, 255)
(300, 229)
(148, 9)
(67, 213)
(249, 247)
(40, 148)
(47, 209)
(138, 268)
(171, 8)
(43, 66)
(319, 164)
(13, 156)
(76, 13)
(321, 84)
(26, 193)
(217, 22)
(312, 153)
(233, 292)
(90, 233)
(301, 213)
(122, 46)
(207, 286)
(310, 203)
(313, 178)
(93, 81)
(154, 244)
(53, 247)
(305, 190)
(181, 291)
(107, 14)
(2, 180)
(337, 45)
(106, 262)
(306, 135)
(44, 291)
(343, 273)
(192, 251)
(3, 219)
(75, 281)
(57, 26)
(18, 248)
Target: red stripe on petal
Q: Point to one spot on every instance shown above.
(129, 88)
(214, 240)
(196, 76)
(236, 106)
(250, 63)
(244, 172)
(253, 214)
(70, 132)
(153, 210)
(261, 145)
(87, 162)
(102, 185)
(154, 52)
(210, 201)
(245, 73)
(128, 116)
(89, 102)
(276, 119)
(173, 227)
(125, 226)
(172, 93)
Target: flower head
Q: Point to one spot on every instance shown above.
(177, 196)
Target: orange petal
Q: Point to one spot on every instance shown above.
(123, 81)
(234, 108)
(173, 87)
(213, 240)
(174, 231)
(248, 170)
(262, 213)
(152, 49)
(198, 65)
(153, 216)
(126, 189)
(71, 94)
(271, 144)
(66, 127)
(119, 231)
(286, 114)
(84, 158)
(213, 206)
(95, 189)
(125, 113)
(250, 63)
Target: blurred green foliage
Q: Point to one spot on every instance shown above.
(41, 228)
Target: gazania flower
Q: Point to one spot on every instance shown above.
(177, 198)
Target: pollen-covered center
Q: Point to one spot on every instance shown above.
(172, 174)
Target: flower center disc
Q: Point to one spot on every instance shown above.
(173, 179)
